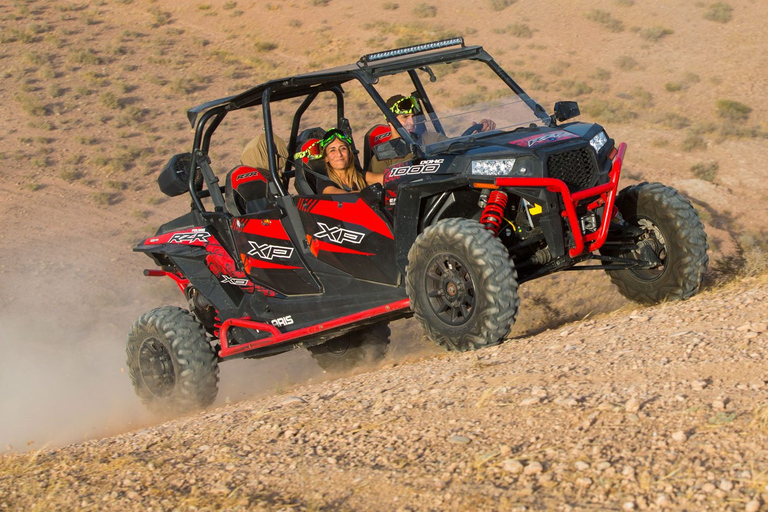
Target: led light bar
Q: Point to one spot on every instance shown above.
(408, 50)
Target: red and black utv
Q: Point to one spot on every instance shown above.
(267, 264)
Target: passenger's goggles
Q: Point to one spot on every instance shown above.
(405, 106)
(334, 134)
(310, 151)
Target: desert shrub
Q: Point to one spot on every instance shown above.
(720, 12)
(425, 10)
(390, 6)
(605, 19)
(70, 176)
(660, 142)
(601, 74)
(229, 6)
(627, 63)
(110, 100)
(612, 111)
(180, 86)
(654, 34)
(673, 86)
(559, 67)
(159, 16)
(204, 7)
(105, 198)
(520, 30)
(294, 23)
(85, 57)
(572, 88)
(500, 5)
(733, 110)
(674, 121)
(693, 142)
(319, 3)
(705, 171)
(264, 46)
(31, 105)
(625, 3)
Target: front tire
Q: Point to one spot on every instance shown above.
(462, 285)
(172, 365)
(673, 230)
(353, 349)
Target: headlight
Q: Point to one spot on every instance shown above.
(598, 141)
(493, 167)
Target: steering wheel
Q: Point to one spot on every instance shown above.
(475, 128)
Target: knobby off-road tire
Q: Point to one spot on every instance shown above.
(672, 227)
(353, 349)
(462, 285)
(172, 365)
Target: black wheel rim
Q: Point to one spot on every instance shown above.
(653, 238)
(338, 346)
(156, 368)
(450, 289)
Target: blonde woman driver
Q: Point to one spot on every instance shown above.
(343, 175)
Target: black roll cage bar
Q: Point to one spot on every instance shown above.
(207, 117)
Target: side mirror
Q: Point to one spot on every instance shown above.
(565, 110)
(392, 148)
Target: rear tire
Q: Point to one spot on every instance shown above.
(172, 365)
(353, 349)
(462, 285)
(674, 231)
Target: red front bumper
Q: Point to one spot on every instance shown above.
(602, 195)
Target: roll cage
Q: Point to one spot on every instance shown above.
(205, 118)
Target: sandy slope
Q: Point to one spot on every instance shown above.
(663, 407)
(94, 96)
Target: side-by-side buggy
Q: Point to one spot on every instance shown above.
(267, 264)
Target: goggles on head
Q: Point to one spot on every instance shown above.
(334, 134)
(405, 106)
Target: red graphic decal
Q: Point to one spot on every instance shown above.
(251, 263)
(261, 227)
(358, 210)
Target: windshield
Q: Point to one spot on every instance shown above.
(461, 95)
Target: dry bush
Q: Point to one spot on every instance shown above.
(673, 121)
(608, 111)
(693, 142)
(520, 30)
(627, 63)
(500, 5)
(605, 19)
(706, 171)
(733, 110)
(424, 10)
(655, 34)
(720, 12)
(390, 6)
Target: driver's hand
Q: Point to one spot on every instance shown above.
(487, 124)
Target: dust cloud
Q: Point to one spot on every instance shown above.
(63, 376)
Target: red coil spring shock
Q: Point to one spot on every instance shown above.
(493, 213)
(216, 326)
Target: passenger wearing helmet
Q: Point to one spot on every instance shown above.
(408, 112)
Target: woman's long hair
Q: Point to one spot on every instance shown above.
(351, 173)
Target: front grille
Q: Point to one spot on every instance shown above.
(577, 168)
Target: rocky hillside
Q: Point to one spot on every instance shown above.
(625, 408)
(648, 409)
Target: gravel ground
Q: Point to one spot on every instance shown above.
(654, 408)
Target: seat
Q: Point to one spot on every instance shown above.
(375, 136)
(308, 158)
(245, 190)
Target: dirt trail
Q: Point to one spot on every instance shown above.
(653, 408)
